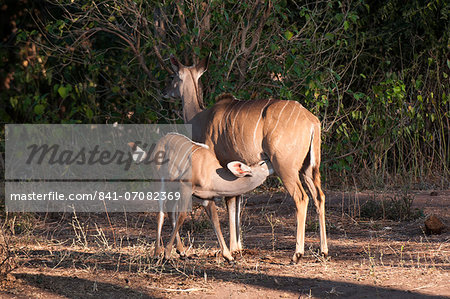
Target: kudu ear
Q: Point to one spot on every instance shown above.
(239, 169)
(176, 65)
(202, 66)
(137, 153)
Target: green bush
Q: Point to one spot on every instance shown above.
(375, 73)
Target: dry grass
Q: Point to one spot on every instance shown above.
(74, 255)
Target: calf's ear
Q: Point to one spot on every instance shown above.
(239, 169)
(137, 153)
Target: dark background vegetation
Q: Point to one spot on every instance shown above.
(375, 72)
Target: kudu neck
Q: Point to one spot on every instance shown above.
(226, 184)
(191, 97)
(190, 110)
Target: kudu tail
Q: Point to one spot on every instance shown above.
(312, 150)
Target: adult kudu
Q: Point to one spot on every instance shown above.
(281, 131)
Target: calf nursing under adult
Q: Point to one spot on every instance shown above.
(250, 131)
(195, 163)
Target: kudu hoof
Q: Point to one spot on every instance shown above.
(228, 257)
(296, 258)
(237, 251)
(167, 255)
(158, 253)
(231, 262)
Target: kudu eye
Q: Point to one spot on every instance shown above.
(262, 163)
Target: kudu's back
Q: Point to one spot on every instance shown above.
(179, 153)
(251, 131)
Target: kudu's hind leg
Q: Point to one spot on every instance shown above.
(312, 179)
(288, 172)
(180, 247)
(179, 221)
(181, 208)
(295, 189)
(159, 243)
(211, 210)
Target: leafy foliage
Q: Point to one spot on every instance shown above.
(375, 72)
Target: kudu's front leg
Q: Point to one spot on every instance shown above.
(234, 220)
(239, 202)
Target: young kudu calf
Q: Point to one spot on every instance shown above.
(250, 131)
(195, 163)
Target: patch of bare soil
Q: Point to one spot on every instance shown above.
(89, 256)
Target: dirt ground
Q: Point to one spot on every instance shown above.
(93, 256)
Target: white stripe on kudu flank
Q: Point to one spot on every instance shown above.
(257, 123)
(189, 159)
(233, 129)
(187, 152)
(279, 116)
(221, 128)
(242, 130)
(186, 147)
(290, 115)
(175, 157)
(298, 114)
(229, 128)
(186, 141)
(224, 116)
(166, 151)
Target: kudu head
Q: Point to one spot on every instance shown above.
(186, 86)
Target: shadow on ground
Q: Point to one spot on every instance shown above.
(74, 287)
